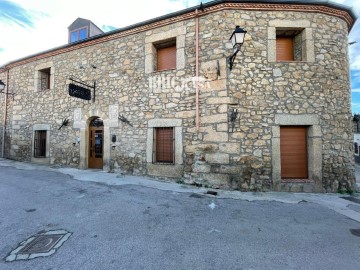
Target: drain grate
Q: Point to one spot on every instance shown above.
(355, 232)
(41, 244)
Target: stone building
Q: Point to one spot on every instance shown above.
(158, 98)
(356, 130)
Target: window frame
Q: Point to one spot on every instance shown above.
(296, 37)
(77, 31)
(307, 41)
(162, 48)
(40, 70)
(45, 75)
(158, 150)
(176, 124)
(154, 40)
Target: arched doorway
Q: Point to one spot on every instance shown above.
(96, 143)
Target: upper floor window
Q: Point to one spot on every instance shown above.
(289, 45)
(290, 40)
(44, 80)
(78, 34)
(44, 77)
(165, 50)
(166, 55)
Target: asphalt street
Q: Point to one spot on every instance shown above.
(133, 226)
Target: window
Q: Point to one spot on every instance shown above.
(79, 34)
(44, 79)
(40, 144)
(355, 125)
(164, 145)
(290, 40)
(166, 55)
(165, 50)
(289, 45)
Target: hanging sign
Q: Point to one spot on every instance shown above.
(79, 91)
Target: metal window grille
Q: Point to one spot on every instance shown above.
(164, 145)
(40, 144)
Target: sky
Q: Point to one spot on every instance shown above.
(33, 26)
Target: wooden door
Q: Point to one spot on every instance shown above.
(293, 149)
(96, 147)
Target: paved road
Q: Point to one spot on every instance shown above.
(136, 227)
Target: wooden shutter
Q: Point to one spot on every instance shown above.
(165, 145)
(284, 49)
(166, 58)
(293, 150)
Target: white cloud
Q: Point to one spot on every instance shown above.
(51, 19)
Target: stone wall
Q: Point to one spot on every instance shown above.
(260, 89)
(2, 111)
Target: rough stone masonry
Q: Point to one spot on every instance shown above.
(312, 91)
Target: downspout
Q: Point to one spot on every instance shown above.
(197, 68)
(5, 114)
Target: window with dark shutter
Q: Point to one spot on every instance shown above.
(40, 144)
(284, 49)
(166, 58)
(164, 145)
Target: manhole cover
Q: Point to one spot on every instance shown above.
(40, 245)
(352, 199)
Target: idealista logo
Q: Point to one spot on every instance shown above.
(161, 82)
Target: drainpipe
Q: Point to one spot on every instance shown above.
(197, 69)
(5, 113)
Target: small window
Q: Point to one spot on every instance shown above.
(79, 34)
(164, 145)
(355, 126)
(289, 45)
(166, 55)
(44, 79)
(40, 144)
(356, 148)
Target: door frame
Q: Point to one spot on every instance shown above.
(304, 165)
(83, 126)
(89, 141)
(314, 147)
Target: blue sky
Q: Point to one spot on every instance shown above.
(32, 26)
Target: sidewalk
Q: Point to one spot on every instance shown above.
(331, 201)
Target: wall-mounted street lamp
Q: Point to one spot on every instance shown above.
(237, 39)
(2, 88)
